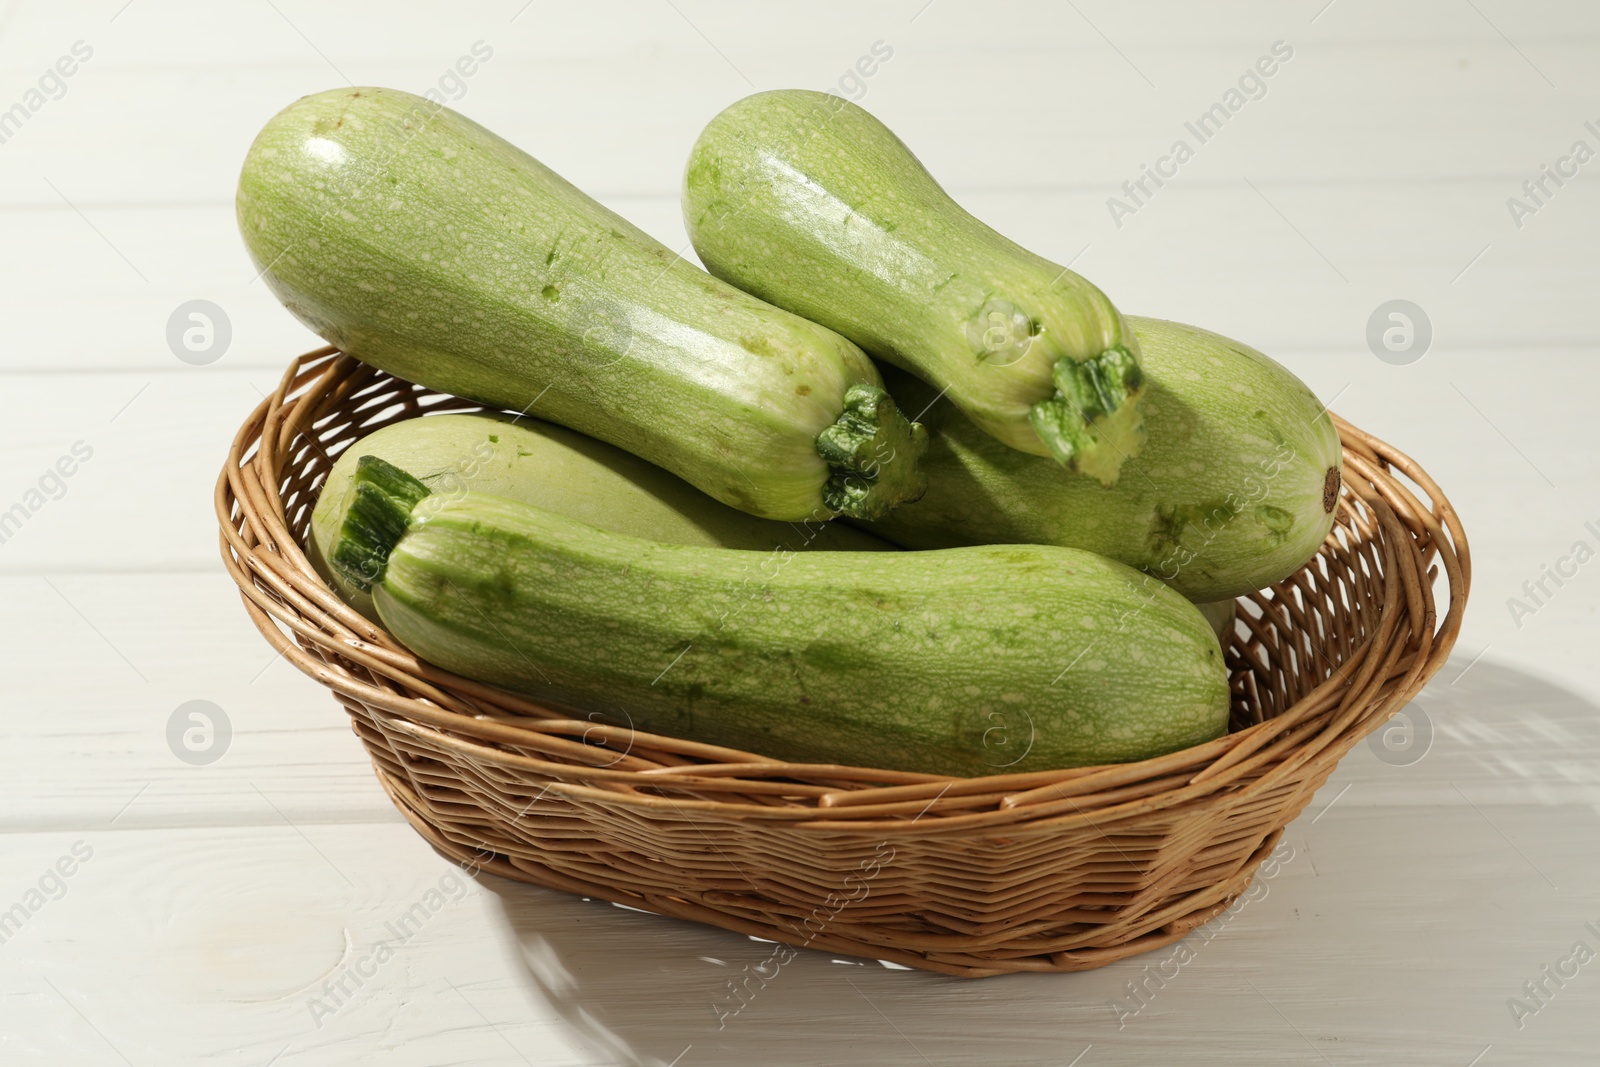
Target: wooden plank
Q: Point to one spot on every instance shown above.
(115, 656)
(1070, 111)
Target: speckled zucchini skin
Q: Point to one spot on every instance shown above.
(421, 243)
(969, 661)
(811, 203)
(1235, 490)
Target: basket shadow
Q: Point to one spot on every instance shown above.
(640, 989)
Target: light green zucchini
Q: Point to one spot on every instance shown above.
(809, 202)
(1220, 614)
(523, 459)
(1235, 490)
(421, 243)
(968, 661)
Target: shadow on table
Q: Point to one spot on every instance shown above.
(642, 989)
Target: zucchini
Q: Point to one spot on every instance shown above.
(421, 243)
(1220, 614)
(524, 459)
(968, 661)
(807, 201)
(1235, 490)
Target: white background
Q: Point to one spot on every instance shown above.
(1421, 893)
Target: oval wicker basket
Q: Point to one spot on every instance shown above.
(1048, 871)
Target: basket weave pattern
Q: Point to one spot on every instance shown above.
(1046, 871)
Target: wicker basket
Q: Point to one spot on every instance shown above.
(1048, 871)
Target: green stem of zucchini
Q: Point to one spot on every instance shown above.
(379, 513)
(1092, 422)
(872, 451)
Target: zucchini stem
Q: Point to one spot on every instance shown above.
(1092, 423)
(872, 452)
(379, 513)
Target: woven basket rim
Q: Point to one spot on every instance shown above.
(1422, 537)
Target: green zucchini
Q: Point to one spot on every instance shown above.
(535, 462)
(809, 202)
(1235, 490)
(1220, 614)
(968, 661)
(421, 243)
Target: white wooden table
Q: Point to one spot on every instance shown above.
(168, 913)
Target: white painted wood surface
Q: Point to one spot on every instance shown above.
(217, 902)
